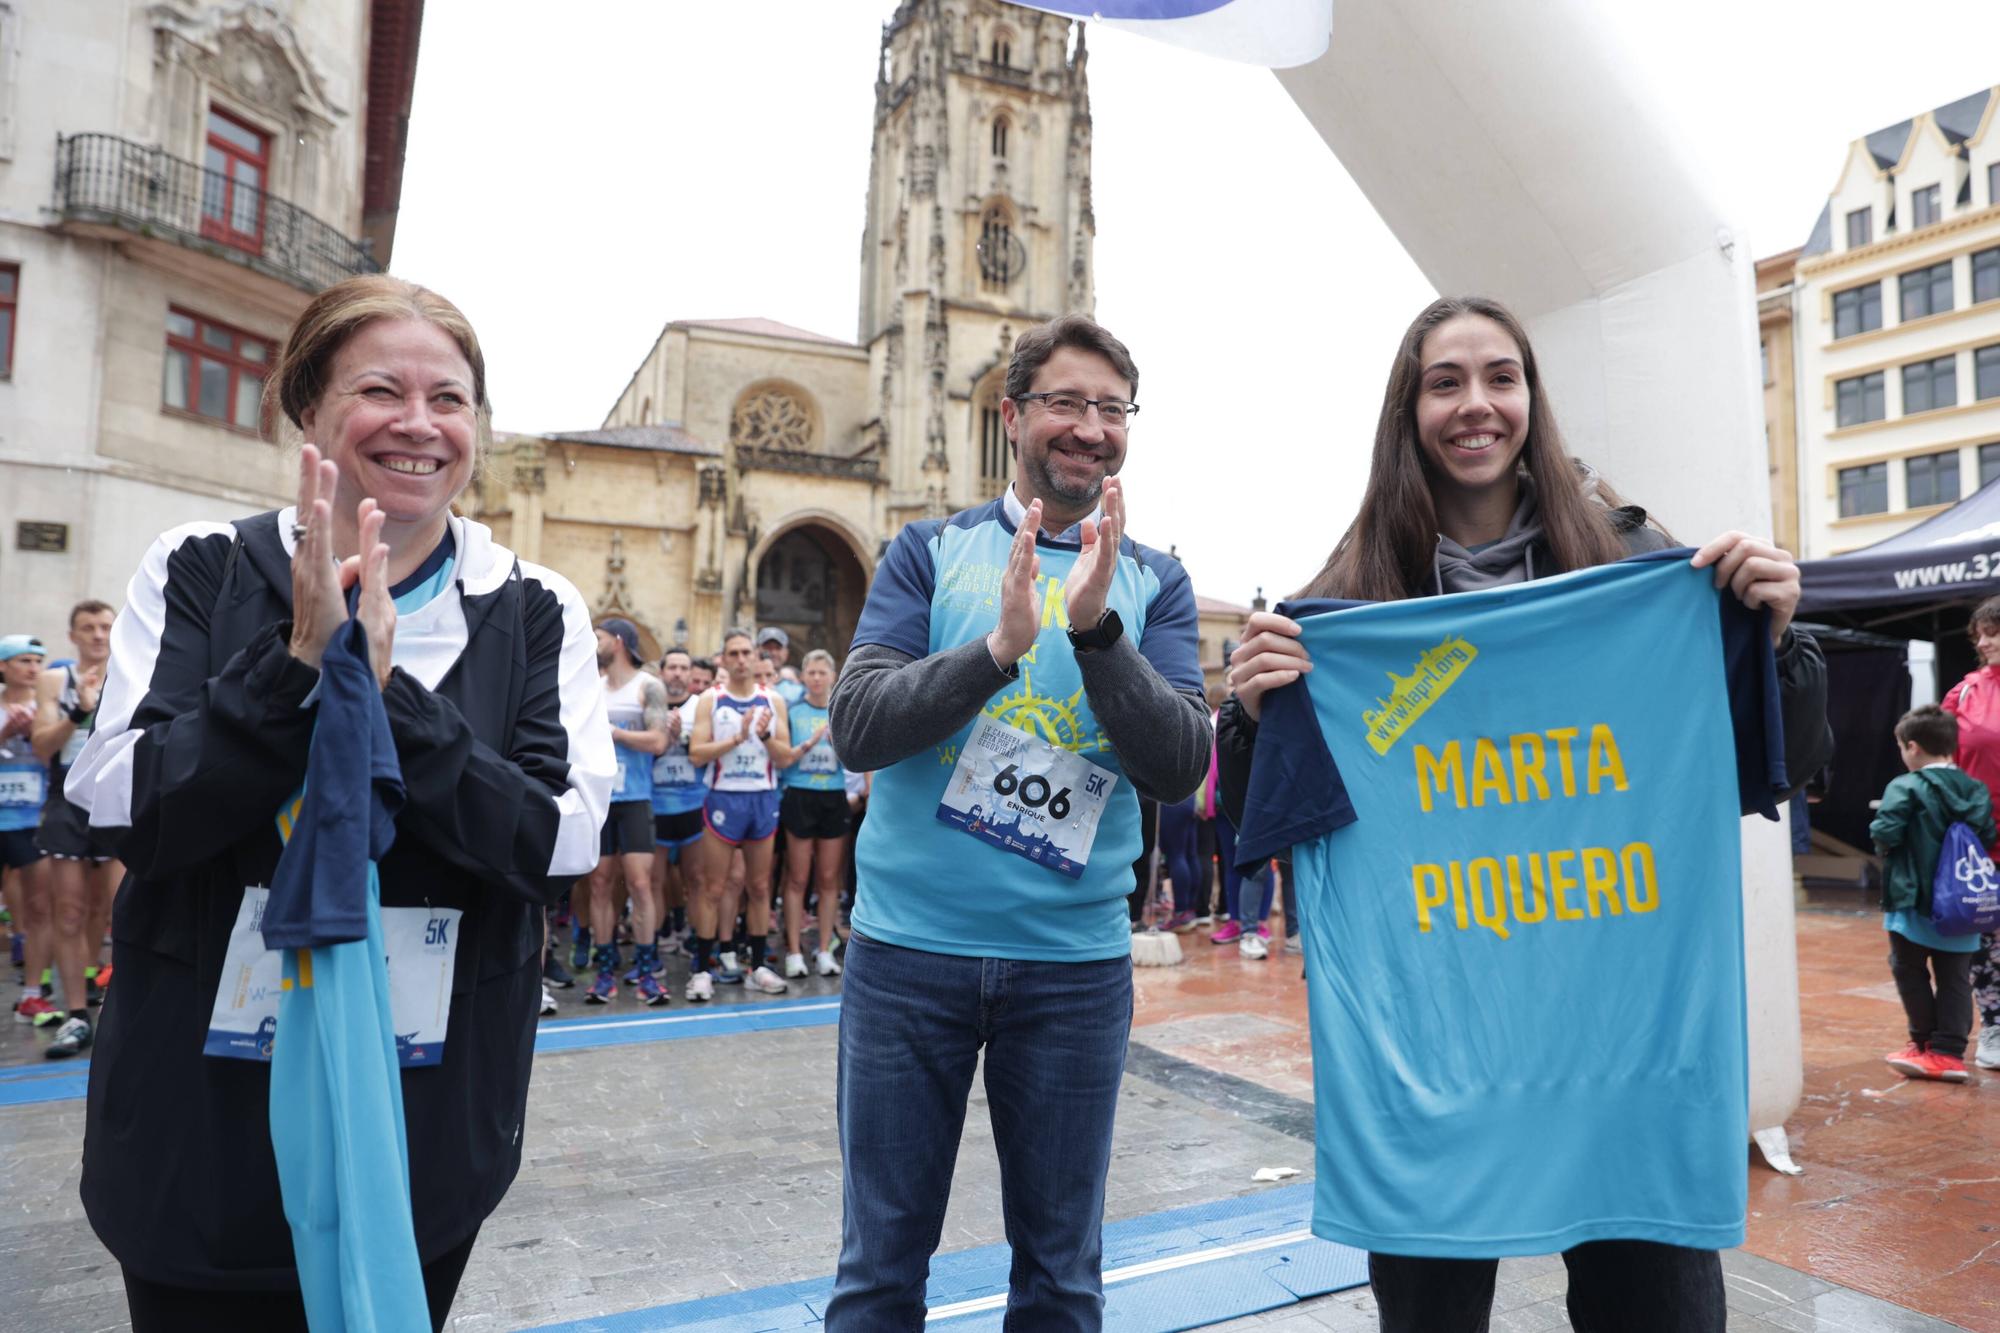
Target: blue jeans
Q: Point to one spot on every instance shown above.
(912, 1025)
(1237, 907)
(1179, 853)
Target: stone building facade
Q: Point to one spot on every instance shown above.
(177, 178)
(1896, 329)
(754, 472)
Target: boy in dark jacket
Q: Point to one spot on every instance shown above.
(1909, 830)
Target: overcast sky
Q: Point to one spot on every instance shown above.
(576, 182)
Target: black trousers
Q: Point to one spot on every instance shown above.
(1941, 1015)
(158, 1308)
(1615, 1286)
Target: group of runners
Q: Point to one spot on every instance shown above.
(59, 874)
(722, 762)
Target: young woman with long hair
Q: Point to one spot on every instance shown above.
(1470, 486)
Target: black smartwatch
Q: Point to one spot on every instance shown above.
(1108, 630)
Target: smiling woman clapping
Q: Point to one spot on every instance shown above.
(488, 673)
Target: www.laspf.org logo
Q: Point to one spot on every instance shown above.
(1411, 696)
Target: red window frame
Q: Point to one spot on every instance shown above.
(10, 324)
(223, 345)
(223, 159)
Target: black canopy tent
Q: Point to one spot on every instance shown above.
(1919, 584)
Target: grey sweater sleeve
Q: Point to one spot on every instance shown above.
(1162, 735)
(889, 705)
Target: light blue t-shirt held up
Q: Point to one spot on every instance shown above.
(1514, 817)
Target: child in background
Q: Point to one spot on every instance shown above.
(1933, 972)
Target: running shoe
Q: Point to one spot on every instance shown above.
(35, 1010)
(1228, 933)
(548, 1002)
(1204, 921)
(1909, 1060)
(769, 982)
(1181, 922)
(75, 1034)
(828, 965)
(554, 974)
(1987, 1055)
(725, 971)
(700, 987)
(667, 944)
(650, 991)
(1264, 931)
(579, 957)
(603, 990)
(795, 965)
(1253, 946)
(1941, 1067)
(645, 963)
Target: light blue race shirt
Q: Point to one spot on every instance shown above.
(1514, 818)
(818, 769)
(928, 884)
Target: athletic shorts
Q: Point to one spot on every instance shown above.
(676, 831)
(628, 829)
(738, 817)
(17, 848)
(814, 814)
(66, 832)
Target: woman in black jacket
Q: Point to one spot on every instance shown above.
(1470, 487)
(489, 678)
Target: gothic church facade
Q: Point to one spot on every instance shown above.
(753, 472)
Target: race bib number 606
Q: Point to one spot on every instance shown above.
(1015, 791)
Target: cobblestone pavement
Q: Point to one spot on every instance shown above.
(662, 1172)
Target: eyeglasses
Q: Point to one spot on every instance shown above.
(1072, 406)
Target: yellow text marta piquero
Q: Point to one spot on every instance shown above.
(1506, 891)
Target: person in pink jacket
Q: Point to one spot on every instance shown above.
(1975, 702)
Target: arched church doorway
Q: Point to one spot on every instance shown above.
(810, 585)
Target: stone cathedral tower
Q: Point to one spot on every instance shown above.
(752, 471)
(979, 224)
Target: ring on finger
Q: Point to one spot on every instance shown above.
(298, 533)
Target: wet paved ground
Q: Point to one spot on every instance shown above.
(668, 1171)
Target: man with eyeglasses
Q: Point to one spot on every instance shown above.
(1022, 673)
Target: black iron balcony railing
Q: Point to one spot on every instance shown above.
(104, 179)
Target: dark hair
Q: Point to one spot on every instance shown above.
(90, 606)
(703, 664)
(1034, 347)
(677, 648)
(1984, 616)
(1386, 552)
(1930, 729)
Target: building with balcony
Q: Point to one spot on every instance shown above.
(1895, 304)
(177, 178)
